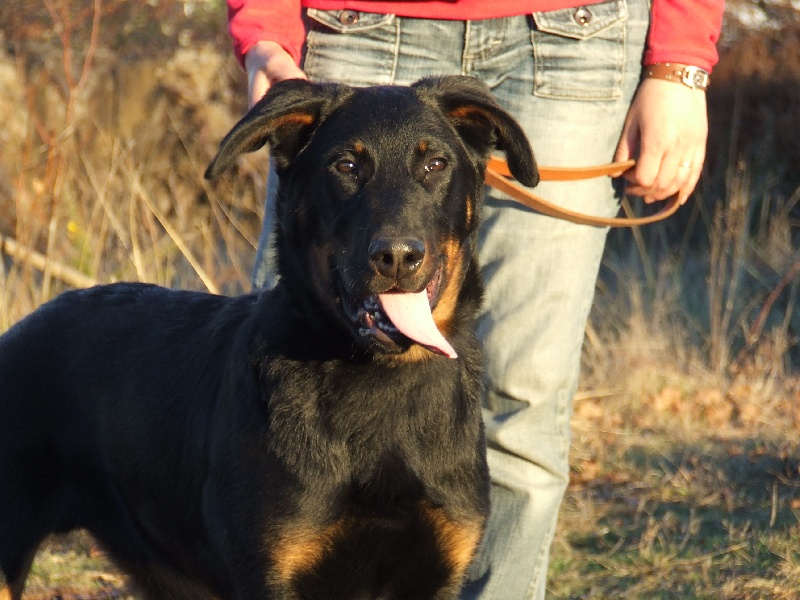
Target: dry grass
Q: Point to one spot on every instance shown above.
(686, 460)
(102, 166)
(685, 452)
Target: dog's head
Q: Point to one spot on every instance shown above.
(379, 198)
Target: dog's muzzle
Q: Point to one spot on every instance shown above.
(399, 317)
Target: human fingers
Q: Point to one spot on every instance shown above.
(267, 63)
(669, 125)
(626, 148)
(692, 177)
(658, 176)
(662, 179)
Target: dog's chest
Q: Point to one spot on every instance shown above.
(380, 429)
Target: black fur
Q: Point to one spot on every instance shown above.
(278, 445)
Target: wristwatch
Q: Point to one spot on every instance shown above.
(693, 77)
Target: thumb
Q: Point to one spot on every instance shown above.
(625, 148)
(627, 143)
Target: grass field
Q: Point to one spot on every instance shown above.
(686, 429)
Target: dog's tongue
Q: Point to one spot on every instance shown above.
(411, 314)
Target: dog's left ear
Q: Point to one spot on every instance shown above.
(285, 119)
(481, 122)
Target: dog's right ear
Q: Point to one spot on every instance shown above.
(284, 119)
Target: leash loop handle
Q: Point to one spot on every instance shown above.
(499, 177)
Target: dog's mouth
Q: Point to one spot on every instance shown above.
(399, 318)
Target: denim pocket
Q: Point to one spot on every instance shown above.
(347, 21)
(580, 52)
(352, 47)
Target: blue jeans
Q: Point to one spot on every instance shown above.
(568, 78)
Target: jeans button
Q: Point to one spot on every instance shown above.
(348, 17)
(583, 16)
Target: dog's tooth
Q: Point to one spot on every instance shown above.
(387, 326)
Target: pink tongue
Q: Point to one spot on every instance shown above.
(411, 314)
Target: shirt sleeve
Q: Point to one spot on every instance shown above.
(280, 21)
(685, 31)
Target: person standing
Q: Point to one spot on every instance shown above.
(589, 83)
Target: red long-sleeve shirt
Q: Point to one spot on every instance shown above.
(683, 31)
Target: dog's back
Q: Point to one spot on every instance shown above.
(106, 397)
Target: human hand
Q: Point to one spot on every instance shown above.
(666, 131)
(267, 63)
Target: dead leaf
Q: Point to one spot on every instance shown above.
(669, 400)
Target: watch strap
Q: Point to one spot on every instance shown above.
(688, 75)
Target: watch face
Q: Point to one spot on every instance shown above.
(699, 79)
(695, 77)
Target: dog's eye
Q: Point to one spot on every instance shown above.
(435, 164)
(347, 166)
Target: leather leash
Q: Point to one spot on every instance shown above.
(499, 177)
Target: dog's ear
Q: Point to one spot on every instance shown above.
(480, 121)
(284, 119)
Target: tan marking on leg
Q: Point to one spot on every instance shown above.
(300, 550)
(457, 541)
(5, 593)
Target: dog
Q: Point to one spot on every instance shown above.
(322, 440)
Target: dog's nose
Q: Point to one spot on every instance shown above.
(396, 257)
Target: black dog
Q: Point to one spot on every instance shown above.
(322, 440)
